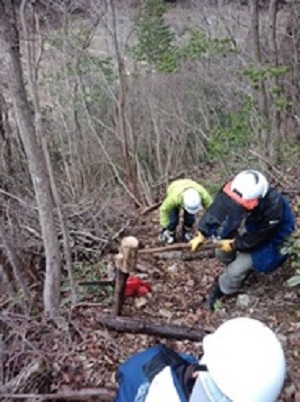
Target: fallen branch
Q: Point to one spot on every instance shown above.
(101, 394)
(1, 362)
(151, 208)
(28, 374)
(134, 326)
(99, 283)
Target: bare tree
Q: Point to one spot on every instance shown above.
(9, 38)
(121, 118)
(274, 113)
(32, 65)
(258, 58)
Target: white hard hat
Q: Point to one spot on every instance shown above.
(250, 184)
(245, 360)
(191, 201)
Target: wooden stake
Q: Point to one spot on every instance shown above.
(125, 263)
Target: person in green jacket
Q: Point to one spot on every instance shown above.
(183, 194)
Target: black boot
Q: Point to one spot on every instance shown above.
(213, 296)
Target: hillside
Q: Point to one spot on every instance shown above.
(102, 104)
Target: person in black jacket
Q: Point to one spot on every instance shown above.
(250, 221)
(243, 360)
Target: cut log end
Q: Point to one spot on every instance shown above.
(129, 242)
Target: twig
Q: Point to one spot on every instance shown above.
(269, 163)
(32, 231)
(1, 361)
(35, 368)
(117, 234)
(88, 235)
(151, 208)
(17, 199)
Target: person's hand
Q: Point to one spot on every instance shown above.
(197, 241)
(166, 236)
(227, 245)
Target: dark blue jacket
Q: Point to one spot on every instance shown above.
(267, 226)
(136, 374)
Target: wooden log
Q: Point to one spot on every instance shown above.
(99, 394)
(134, 326)
(110, 282)
(125, 264)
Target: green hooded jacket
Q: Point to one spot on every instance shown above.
(174, 198)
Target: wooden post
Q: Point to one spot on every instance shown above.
(125, 263)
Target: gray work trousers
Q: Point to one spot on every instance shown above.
(238, 265)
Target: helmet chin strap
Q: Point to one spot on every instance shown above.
(206, 390)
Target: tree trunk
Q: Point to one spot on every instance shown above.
(36, 161)
(15, 263)
(33, 85)
(121, 118)
(263, 101)
(274, 113)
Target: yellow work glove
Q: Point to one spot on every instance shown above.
(227, 245)
(197, 241)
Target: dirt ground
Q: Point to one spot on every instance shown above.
(178, 289)
(87, 355)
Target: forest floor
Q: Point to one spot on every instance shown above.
(178, 289)
(88, 355)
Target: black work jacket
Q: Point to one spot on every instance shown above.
(224, 217)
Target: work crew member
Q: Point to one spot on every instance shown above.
(243, 361)
(252, 220)
(183, 194)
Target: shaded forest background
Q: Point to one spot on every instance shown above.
(103, 102)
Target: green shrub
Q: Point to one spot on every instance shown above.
(292, 248)
(234, 133)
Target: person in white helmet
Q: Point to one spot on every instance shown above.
(251, 220)
(186, 195)
(242, 361)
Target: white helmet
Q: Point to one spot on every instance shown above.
(250, 184)
(191, 201)
(245, 360)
